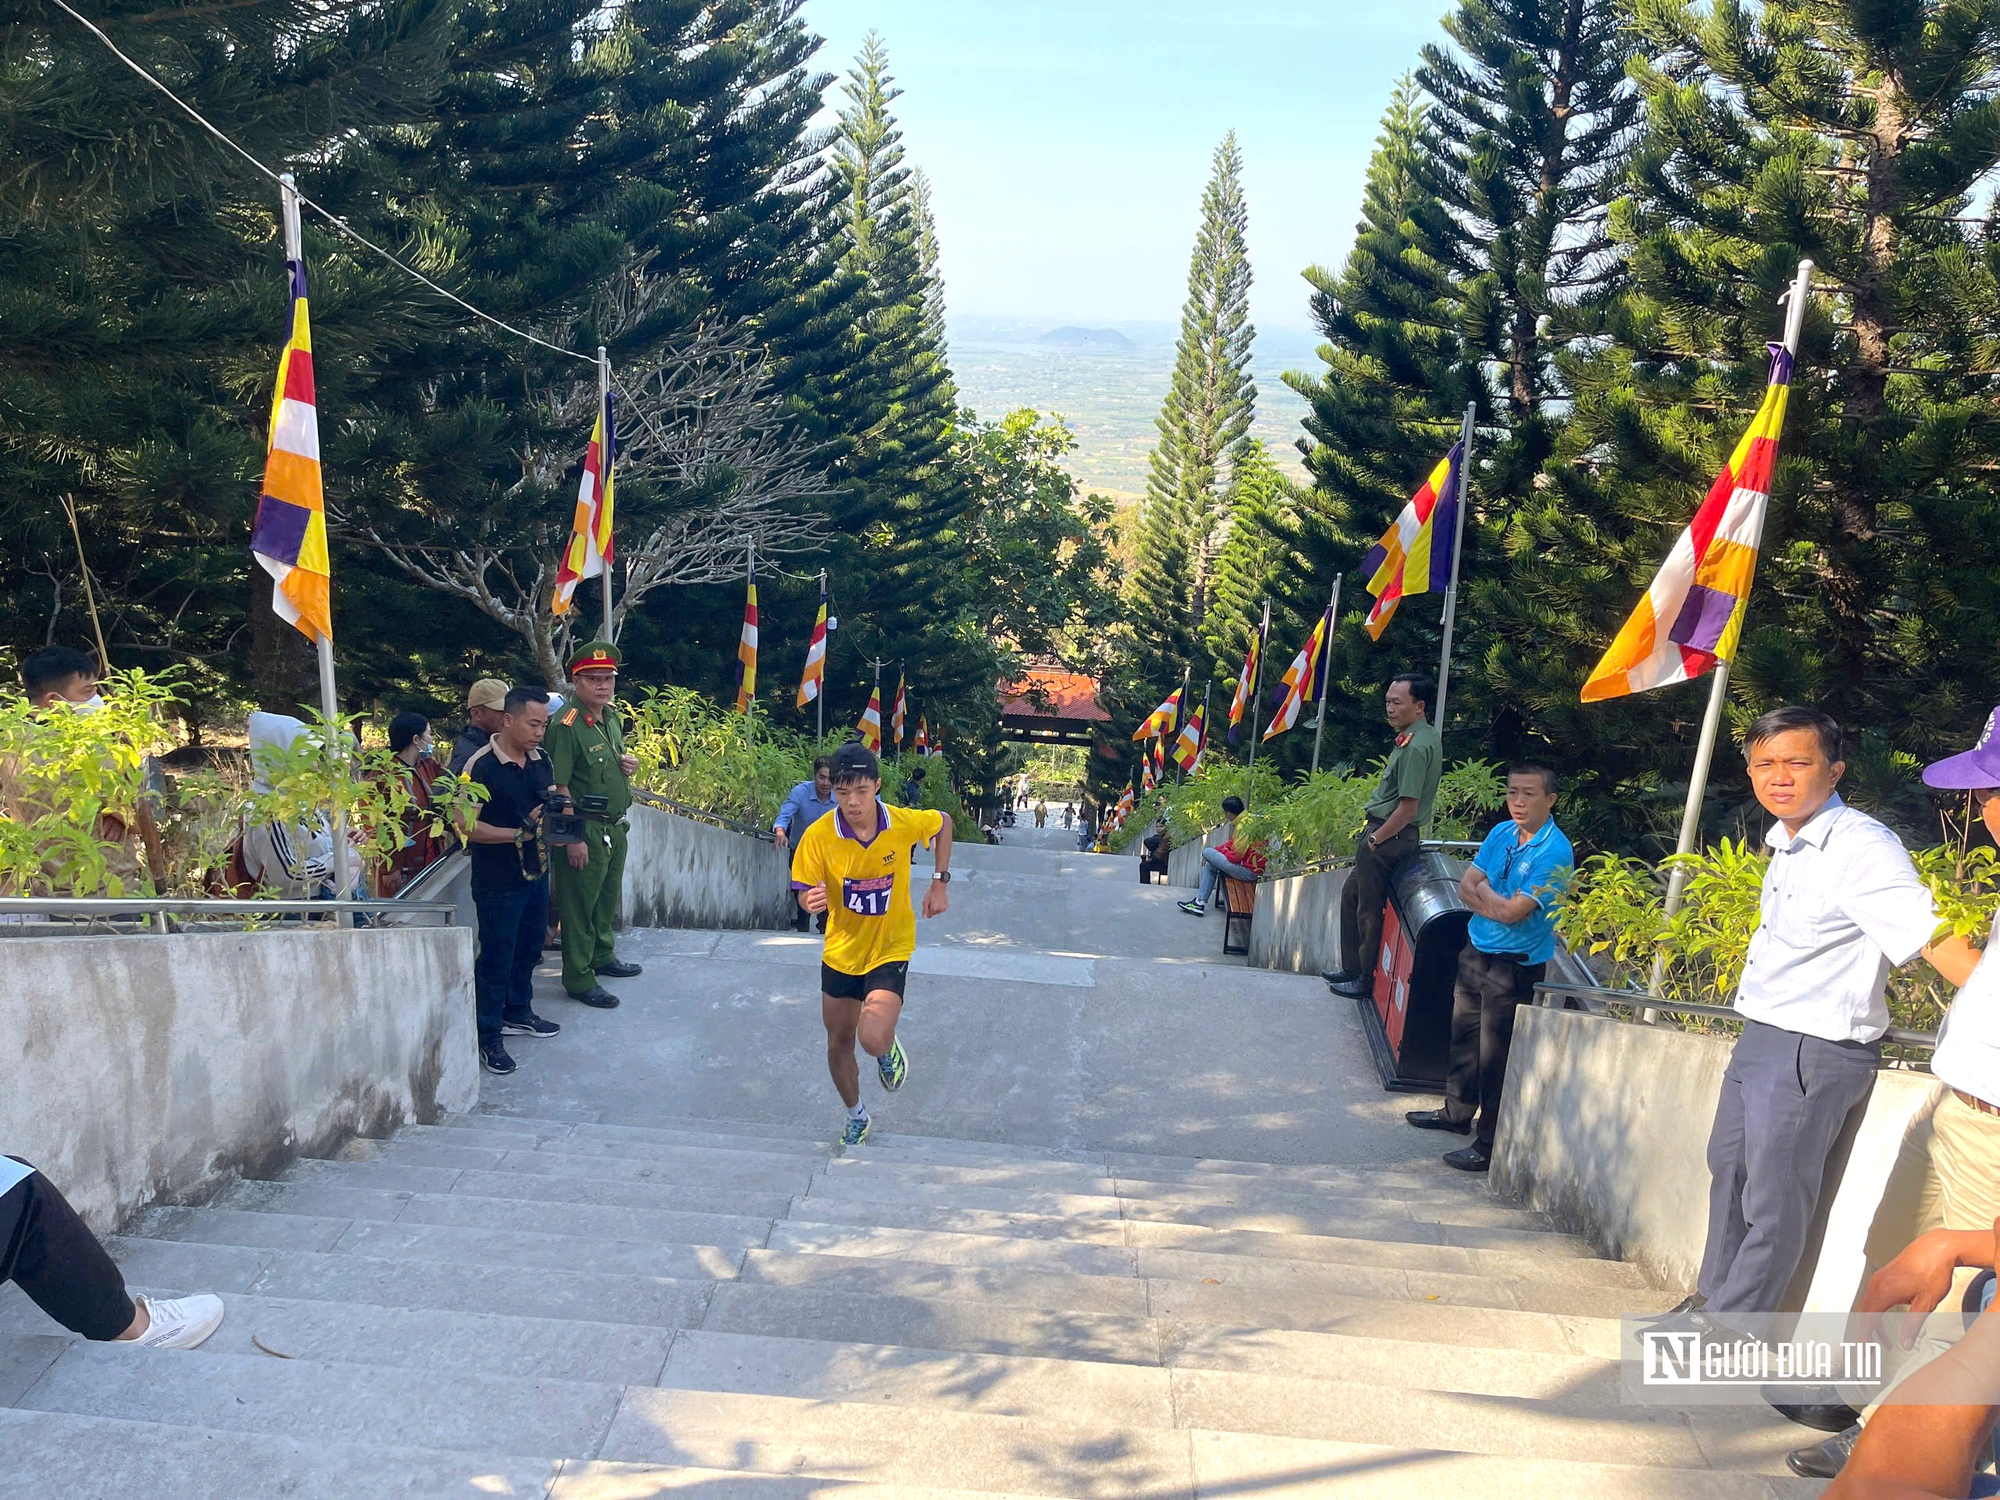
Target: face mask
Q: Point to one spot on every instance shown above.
(89, 705)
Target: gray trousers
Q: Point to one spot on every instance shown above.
(1784, 1100)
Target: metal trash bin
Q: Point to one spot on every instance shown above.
(1407, 1014)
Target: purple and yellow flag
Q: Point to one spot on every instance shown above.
(1414, 555)
(1692, 615)
(289, 539)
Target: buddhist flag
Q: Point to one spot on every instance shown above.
(1301, 679)
(746, 650)
(1692, 616)
(899, 714)
(289, 538)
(589, 552)
(1160, 759)
(1161, 720)
(923, 736)
(1124, 804)
(1414, 555)
(815, 673)
(1240, 704)
(871, 721)
(1146, 780)
(1187, 749)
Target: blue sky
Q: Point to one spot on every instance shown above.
(1068, 142)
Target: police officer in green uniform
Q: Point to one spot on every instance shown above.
(587, 750)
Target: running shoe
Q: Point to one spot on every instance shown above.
(856, 1131)
(893, 1066)
(533, 1026)
(1192, 908)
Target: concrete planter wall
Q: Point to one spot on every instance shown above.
(681, 872)
(1605, 1127)
(148, 1069)
(1184, 862)
(1297, 926)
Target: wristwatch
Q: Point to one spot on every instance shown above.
(944, 875)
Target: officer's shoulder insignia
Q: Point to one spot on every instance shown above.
(570, 717)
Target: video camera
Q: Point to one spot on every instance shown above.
(563, 823)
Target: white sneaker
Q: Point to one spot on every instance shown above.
(180, 1323)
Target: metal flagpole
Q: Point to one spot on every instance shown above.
(1257, 683)
(1181, 715)
(750, 701)
(1203, 745)
(329, 695)
(1718, 690)
(1464, 477)
(605, 459)
(819, 698)
(1326, 665)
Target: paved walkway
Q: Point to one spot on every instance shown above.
(1058, 1003)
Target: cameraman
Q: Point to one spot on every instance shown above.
(510, 874)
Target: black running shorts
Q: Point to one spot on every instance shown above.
(859, 986)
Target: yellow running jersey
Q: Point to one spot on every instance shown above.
(869, 919)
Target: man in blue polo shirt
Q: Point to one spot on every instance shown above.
(1512, 887)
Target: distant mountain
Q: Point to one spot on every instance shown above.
(1086, 338)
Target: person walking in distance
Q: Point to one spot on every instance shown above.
(586, 748)
(1512, 888)
(1393, 820)
(854, 864)
(1841, 905)
(804, 806)
(510, 875)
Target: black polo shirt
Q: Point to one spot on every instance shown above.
(512, 792)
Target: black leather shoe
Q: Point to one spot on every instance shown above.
(1824, 1460)
(1338, 976)
(1688, 1319)
(1437, 1119)
(619, 969)
(598, 996)
(1473, 1158)
(1690, 1303)
(1816, 1406)
(1354, 989)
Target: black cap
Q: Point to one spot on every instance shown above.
(854, 760)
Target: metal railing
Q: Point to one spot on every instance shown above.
(1596, 997)
(99, 911)
(654, 799)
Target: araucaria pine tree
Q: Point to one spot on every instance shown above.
(1204, 428)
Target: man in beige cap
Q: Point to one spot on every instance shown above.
(485, 711)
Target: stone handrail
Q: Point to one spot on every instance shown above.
(1597, 996)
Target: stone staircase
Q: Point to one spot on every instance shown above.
(502, 1306)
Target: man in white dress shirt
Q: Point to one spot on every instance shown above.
(1956, 1167)
(1841, 906)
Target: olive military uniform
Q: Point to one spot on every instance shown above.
(584, 754)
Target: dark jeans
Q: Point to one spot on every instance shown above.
(511, 925)
(1785, 1097)
(1361, 898)
(1490, 987)
(57, 1261)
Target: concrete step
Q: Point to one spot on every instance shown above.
(523, 1250)
(102, 1458)
(1557, 1256)
(1464, 1204)
(919, 1445)
(740, 1153)
(1361, 1220)
(626, 1191)
(653, 1126)
(1001, 1286)
(257, 1393)
(1059, 1166)
(941, 1323)
(716, 1138)
(471, 1210)
(1056, 1390)
(1284, 1468)
(902, 1254)
(741, 1170)
(454, 1286)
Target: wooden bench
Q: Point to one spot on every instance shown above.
(1239, 904)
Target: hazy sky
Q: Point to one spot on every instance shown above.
(1068, 142)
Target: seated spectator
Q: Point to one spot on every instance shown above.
(1512, 888)
(1243, 861)
(410, 740)
(1153, 851)
(50, 1253)
(291, 859)
(484, 709)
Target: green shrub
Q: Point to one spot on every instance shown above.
(1615, 910)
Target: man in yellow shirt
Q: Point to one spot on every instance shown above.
(854, 865)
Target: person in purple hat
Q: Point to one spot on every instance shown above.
(1957, 1150)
